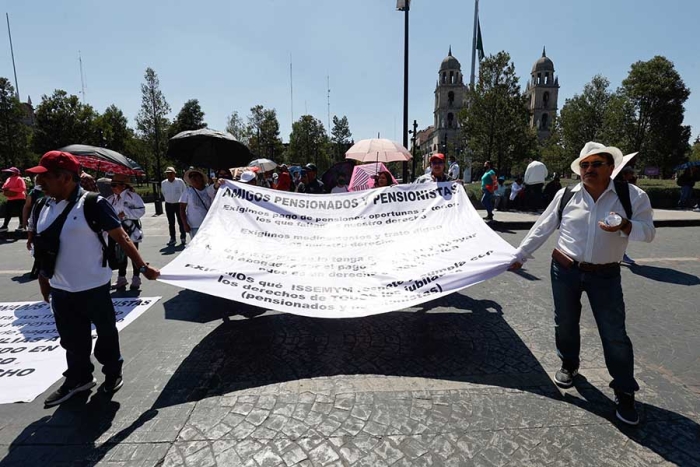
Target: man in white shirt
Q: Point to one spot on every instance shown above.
(172, 189)
(587, 259)
(453, 172)
(535, 175)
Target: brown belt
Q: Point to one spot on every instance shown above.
(567, 263)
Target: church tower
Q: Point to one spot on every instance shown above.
(542, 92)
(450, 99)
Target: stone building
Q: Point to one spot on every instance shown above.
(542, 92)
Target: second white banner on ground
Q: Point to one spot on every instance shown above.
(341, 255)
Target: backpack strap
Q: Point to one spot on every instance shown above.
(90, 211)
(623, 193)
(36, 209)
(565, 198)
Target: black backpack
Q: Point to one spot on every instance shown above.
(623, 193)
(112, 254)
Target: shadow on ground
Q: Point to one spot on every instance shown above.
(668, 275)
(471, 343)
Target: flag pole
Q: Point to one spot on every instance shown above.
(12, 52)
(476, 22)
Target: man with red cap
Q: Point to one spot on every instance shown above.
(437, 170)
(74, 273)
(15, 190)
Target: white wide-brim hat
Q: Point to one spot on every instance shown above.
(247, 176)
(591, 149)
(191, 171)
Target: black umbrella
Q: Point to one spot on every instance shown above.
(104, 154)
(687, 165)
(208, 148)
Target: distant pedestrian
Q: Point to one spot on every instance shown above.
(172, 189)
(686, 182)
(437, 170)
(314, 185)
(15, 190)
(500, 202)
(340, 185)
(516, 194)
(535, 175)
(195, 201)
(551, 189)
(453, 171)
(87, 182)
(488, 186)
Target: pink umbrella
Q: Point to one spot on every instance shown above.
(362, 176)
(99, 164)
(378, 150)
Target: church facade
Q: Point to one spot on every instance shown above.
(542, 92)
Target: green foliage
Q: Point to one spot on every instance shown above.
(14, 135)
(658, 93)
(695, 150)
(238, 128)
(190, 117)
(309, 143)
(61, 119)
(495, 122)
(152, 122)
(340, 136)
(113, 130)
(554, 155)
(264, 133)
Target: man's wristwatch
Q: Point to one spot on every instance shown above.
(143, 269)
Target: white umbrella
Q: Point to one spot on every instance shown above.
(265, 165)
(378, 150)
(625, 161)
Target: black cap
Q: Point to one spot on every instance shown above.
(311, 167)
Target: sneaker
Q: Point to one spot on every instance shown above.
(565, 377)
(171, 242)
(20, 229)
(121, 283)
(626, 412)
(627, 259)
(112, 384)
(135, 283)
(68, 390)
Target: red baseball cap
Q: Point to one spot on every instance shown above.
(56, 160)
(437, 156)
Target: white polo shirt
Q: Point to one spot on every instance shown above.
(79, 261)
(172, 191)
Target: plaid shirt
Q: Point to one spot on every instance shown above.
(87, 182)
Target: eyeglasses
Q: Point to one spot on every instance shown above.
(594, 164)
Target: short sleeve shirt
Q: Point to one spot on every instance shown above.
(487, 179)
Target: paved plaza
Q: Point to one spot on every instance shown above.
(463, 380)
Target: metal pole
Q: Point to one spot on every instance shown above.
(405, 92)
(413, 161)
(476, 22)
(12, 52)
(158, 203)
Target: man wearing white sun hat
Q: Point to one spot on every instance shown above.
(596, 220)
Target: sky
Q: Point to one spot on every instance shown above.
(234, 54)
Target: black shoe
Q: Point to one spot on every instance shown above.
(171, 242)
(565, 377)
(183, 240)
(68, 390)
(112, 384)
(626, 412)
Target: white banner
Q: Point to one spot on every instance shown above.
(31, 358)
(342, 255)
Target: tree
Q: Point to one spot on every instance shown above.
(308, 142)
(658, 93)
(695, 150)
(554, 154)
(582, 116)
(264, 133)
(340, 135)
(237, 128)
(14, 135)
(152, 121)
(190, 117)
(113, 130)
(495, 122)
(61, 119)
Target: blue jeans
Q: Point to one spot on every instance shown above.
(75, 312)
(604, 290)
(686, 193)
(486, 199)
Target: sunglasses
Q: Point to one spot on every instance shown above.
(594, 164)
(437, 162)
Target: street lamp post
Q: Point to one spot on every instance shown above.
(413, 147)
(405, 6)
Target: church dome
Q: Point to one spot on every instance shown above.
(543, 64)
(450, 63)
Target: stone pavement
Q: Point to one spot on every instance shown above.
(463, 380)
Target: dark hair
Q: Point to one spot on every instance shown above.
(519, 180)
(388, 176)
(489, 163)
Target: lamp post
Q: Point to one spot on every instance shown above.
(413, 147)
(405, 6)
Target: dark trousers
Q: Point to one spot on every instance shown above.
(172, 211)
(604, 290)
(75, 312)
(125, 263)
(13, 208)
(533, 196)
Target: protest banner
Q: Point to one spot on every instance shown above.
(342, 255)
(31, 358)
